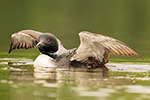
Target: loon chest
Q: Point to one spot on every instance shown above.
(44, 61)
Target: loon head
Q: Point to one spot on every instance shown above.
(47, 43)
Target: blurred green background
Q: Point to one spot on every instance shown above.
(125, 20)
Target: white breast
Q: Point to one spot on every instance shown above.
(44, 61)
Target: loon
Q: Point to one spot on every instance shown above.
(93, 52)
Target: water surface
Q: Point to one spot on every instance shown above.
(20, 81)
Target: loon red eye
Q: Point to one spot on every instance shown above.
(48, 41)
(38, 40)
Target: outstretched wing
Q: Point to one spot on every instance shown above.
(100, 47)
(24, 39)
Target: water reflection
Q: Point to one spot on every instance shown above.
(77, 83)
(69, 76)
(52, 83)
(27, 72)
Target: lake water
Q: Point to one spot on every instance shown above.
(19, 80)
(128, 77)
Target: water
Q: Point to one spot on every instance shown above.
(20, 81)
(128, 77)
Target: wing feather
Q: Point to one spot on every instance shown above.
(24, 39)
(23, 44)
(95, 45)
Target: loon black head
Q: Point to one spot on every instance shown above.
(47, 43)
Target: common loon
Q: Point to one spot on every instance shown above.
(94, 49)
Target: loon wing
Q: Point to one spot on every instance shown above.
(100, 47)
(24, 39)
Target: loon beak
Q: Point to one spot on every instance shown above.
(39, 43)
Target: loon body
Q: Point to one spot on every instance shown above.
(94, 49)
